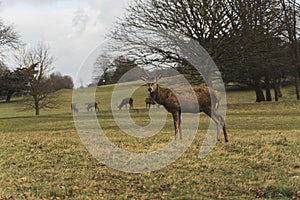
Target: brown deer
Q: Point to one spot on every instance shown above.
(149, 102)
(208, 102)
(96, 106)
(126, 101)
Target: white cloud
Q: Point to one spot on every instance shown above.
(80, 21)
(11, 3)
(73, 28)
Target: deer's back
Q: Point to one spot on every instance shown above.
(125, 101)
(193, 100)
(203, 96)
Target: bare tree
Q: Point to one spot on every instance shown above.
(102, 66)
(9, 39)
(256, 54)
(38, 63)
(145, 30)
(4, 71)
(109, 72)
(244, 37)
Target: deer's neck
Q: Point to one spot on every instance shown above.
(160, 95)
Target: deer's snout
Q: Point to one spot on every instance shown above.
(150, 90)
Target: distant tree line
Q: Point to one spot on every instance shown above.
(16, 82)
(111, 72)
(255, 43)
(116, 71)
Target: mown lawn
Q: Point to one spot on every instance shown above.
(44, 158)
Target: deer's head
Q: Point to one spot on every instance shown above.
(152, 87)
(151, 83)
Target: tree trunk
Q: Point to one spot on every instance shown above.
(268, 88)
(276, 93)
(259, 94)
(297, 87)
(258, 91)
(36, 106)
(279, 92)
(9, 95)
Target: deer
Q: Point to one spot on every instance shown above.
(218, 97)
(74, 108)
(126, 101)
(90, 106)
(208, 102)
(96, 106)
(149, 102)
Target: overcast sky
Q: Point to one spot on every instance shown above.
(72, 28)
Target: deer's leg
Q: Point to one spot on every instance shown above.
(222, 124)
(179, 123)
(215, 119)
(224, 128)
(225, 133)
(175, 115)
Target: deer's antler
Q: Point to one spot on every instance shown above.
(147, 76)
(159, 76)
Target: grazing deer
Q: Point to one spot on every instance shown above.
(208, 101)
(90, 106)
(126, 101)
(74, 108)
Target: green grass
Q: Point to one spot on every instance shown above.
(44, 158)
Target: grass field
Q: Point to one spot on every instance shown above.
(44, 158)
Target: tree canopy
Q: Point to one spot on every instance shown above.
(251, 41)
(37, 62)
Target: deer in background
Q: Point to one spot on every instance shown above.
(126, 101)
(208, 102)
(149, 102)
(90, 106)
(74, 108)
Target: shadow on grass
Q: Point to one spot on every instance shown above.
(49, 116)
(69, 115)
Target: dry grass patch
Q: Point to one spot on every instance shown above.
(44, 158)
